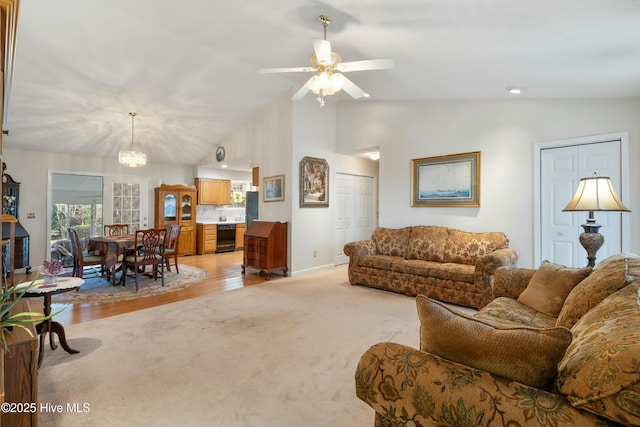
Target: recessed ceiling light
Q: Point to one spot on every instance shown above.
(515, 90)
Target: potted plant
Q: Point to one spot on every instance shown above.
(9, 298)
(50, 270)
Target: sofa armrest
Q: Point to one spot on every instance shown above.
(354, 250)
(487, 265)
(406, 386)
(511, 281)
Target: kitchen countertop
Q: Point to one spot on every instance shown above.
(216, 221)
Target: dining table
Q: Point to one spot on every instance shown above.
(112, 247)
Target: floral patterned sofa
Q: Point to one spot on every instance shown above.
(576, 363)
(444, 263)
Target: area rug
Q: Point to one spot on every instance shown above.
(280, 353)
(98, 289)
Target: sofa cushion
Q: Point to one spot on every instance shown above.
(463, 247)
(453, 272)
(505, 310)
(600, 371)
(607, 277)
(550, 286)
(520, 353)
(380, 262)
(412, 266)
(391, 241)
(427, 243)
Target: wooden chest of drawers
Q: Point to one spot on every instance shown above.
(265, 247)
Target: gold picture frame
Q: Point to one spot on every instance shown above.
(273, 188)
(446, 181)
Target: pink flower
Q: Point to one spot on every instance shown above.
(51, 268)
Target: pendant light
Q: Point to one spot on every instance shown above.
(131, 157)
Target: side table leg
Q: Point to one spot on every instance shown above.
(59, 330)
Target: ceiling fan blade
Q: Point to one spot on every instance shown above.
(285, 70)
(349, 87)
(368, 64)
(302, 91)
(323, 51)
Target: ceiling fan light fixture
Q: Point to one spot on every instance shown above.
(132, 158)
(324, 62)
(325, 83)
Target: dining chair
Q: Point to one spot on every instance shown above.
(116, 229)
(149, 250)
(172, 237)
(82, 259)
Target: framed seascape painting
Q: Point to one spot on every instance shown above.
(446, 181)
(314, 183)
(273, 188)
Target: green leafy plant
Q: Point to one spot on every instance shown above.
(10, 297)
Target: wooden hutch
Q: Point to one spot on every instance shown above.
(176, 204)
(265, 247)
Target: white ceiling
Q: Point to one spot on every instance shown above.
(189, 67)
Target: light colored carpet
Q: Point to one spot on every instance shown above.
(98, 289)
(281, 353)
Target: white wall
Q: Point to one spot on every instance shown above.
(31, 169)
(275, 140)
(504, 132)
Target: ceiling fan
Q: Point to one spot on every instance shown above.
(329, 68)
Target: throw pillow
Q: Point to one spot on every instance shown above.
(520, 353)
(550, 285)
(599, 371)
(609, 276)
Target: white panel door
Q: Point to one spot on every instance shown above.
(560, 171)
(354, 201)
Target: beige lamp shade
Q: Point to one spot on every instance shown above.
(596, 194)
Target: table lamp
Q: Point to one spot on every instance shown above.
(595, 193)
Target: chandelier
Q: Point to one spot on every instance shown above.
(131, 157)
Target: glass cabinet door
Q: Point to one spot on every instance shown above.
(170, 207)
(187, 206)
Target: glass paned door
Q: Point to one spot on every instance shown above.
(126, 201)
(76, 201)
(126, 205)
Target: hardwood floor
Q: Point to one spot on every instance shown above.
(225, 273)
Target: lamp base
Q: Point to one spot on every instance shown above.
(591, 241)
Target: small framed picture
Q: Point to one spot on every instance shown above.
(446, 181)
(273, 188)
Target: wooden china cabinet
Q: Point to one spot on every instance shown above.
(176, 204)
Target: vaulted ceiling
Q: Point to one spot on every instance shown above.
(189, 68)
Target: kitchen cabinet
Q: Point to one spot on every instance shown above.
(240, 230)
(176, 204)
(207, 238)
(213, 191)
(265, 247)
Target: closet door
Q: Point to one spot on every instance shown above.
(354, 200)
(560, 171)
